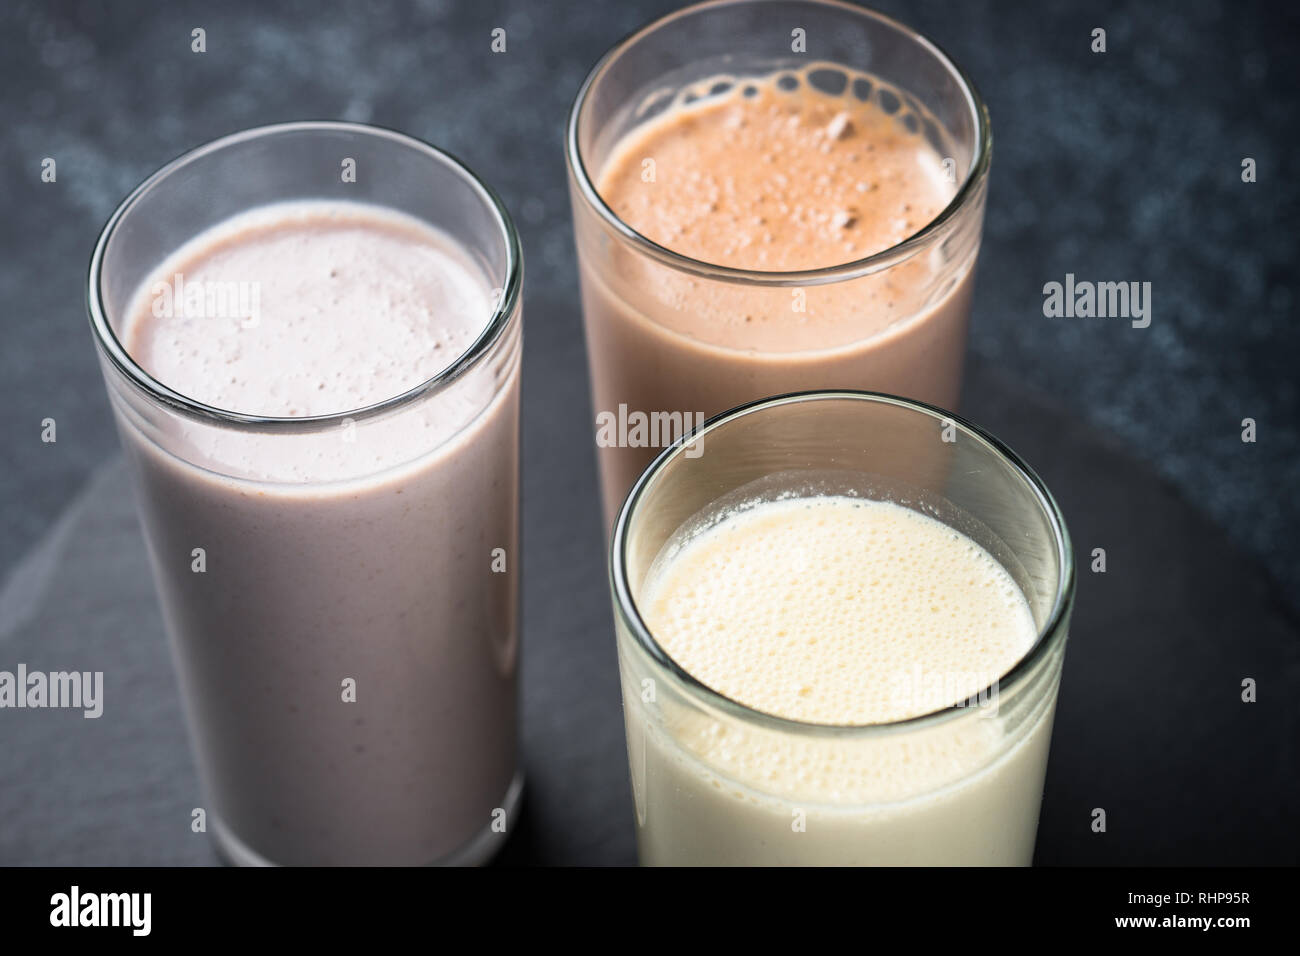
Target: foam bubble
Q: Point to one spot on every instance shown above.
(838, 610)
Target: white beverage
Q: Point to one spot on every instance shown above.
(846, 612)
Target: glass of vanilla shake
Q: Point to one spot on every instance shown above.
(841, 620)
(770, 196)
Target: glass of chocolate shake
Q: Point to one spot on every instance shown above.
(770, 196)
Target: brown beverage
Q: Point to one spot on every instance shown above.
(782, 179)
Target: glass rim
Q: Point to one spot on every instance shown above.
(1050, 634)
(505, 307)
(867, 265)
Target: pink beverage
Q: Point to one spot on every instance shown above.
(335, 547)
(750, 223)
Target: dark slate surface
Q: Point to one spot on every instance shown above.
(1117, 166)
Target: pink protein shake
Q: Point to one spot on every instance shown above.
(340, 602)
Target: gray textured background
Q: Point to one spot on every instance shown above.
(1117, 166)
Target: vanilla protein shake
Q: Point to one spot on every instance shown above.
(771, 176)
(835, 647)
(848, 612)
(340, 597)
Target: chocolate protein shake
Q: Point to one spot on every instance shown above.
(777, 180)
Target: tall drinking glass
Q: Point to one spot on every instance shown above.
(718, 782)
(673, 338)
(339, 590)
